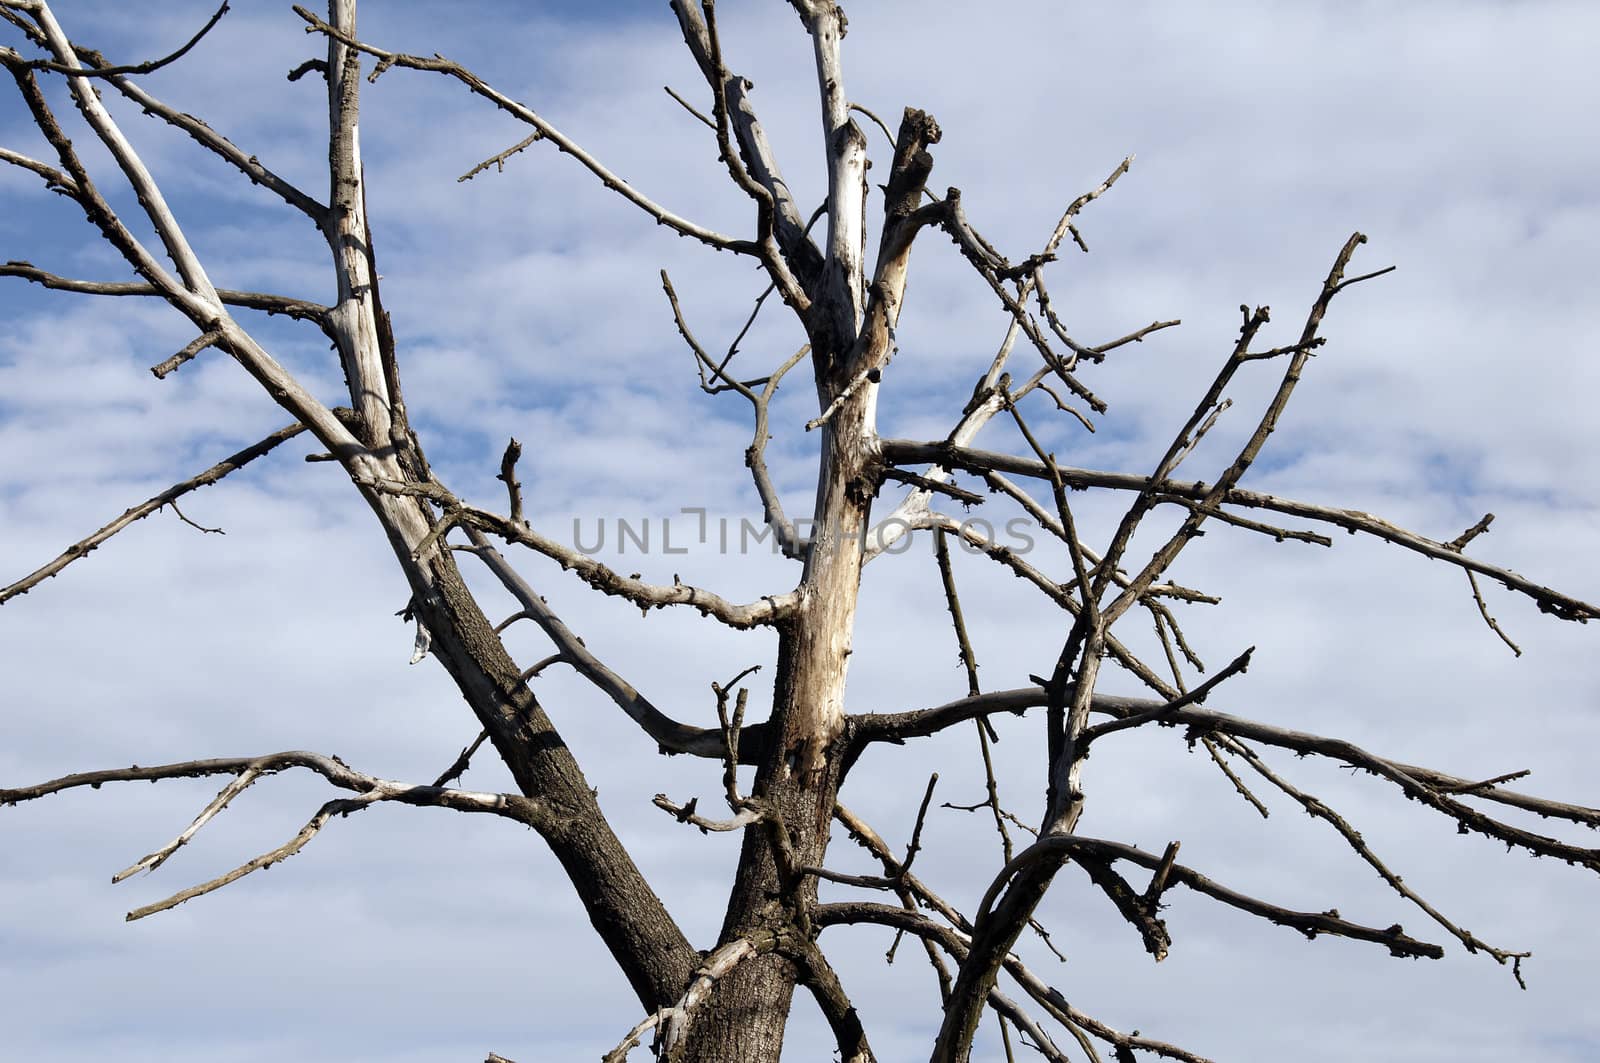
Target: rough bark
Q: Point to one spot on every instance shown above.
(632, 921)
(800, 777)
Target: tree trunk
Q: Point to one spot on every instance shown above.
(627, 914)
(744, 1020)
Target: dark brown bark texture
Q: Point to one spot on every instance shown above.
(624, 909)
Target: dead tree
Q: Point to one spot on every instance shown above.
(841, 270)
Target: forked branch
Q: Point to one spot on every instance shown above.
(368, 789)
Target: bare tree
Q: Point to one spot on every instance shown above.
(840, 269)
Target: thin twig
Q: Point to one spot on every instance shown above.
(687, 106)
(1483, 611)
(498, 160)
(508, 476)
(201, 528)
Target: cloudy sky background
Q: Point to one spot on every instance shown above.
(528, 303)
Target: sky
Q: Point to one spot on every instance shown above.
(527, 302)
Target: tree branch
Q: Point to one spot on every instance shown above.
(670, 735)
(907, 452)
(769, 610)
(783, 528)
(133, 168)
(299, 309)
(147, 67)
(957, 943)
(563, 143)
(369, 789)
(1318, 809)
(84, 546)
(1429, 785)
(54, 179)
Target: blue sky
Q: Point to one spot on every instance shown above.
(527, 303)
